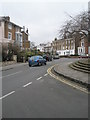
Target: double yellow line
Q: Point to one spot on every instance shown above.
(66, 82)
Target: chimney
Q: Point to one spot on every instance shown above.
(7, 18)
(27, 30)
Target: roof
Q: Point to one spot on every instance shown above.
(7, 19)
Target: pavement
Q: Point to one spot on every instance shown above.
(7, 67)
(64, 70)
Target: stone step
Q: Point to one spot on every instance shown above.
(85, 62)
(82, 65)
(79, 69)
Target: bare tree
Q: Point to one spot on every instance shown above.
(76, 27)
(77, 24)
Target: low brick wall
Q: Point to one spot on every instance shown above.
(8, 63)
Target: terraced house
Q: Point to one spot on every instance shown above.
(84, 46)
(64, 46)
(71, 47)
(13, 33)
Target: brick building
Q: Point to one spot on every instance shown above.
(12, 33)
(64, 46)
(25, 43)
(84, 46)
(71, 46)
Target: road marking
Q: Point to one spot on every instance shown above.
(39, 78)
(7, 95)
(11, 74)
(27, 84)
(67, 82)
(46, 74)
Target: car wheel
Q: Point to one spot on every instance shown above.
(39, 64)
(45, 63)
(29, 65)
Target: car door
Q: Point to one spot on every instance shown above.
(32, 61)
(41, 60)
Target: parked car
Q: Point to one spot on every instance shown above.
(47, 57)
(50, 57)
(36, 60)
(56, 56)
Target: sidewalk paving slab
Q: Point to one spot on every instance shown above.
(74, 75)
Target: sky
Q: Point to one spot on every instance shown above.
(43, 18)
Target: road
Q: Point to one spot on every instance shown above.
(30, 92)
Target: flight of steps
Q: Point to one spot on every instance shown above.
(81, 65)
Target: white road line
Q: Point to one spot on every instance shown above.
(27, 84)
(7, 95)
(39, 78)
(11, 74)
(46, 74)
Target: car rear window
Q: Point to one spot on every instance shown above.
(34, 58)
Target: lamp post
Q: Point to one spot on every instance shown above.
(24, 42)
(24, 36)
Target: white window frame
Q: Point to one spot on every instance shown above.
(9, 33)
(69, 41)
(9, 26)
(17, 37)
(72, 42)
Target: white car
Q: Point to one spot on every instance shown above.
(56, 56)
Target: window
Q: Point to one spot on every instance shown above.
(81, 50)
(40, 58)
(72, 47)
(63, 45)
(68, 52)
(17, 37)
(59, 52)
(17, 29)
(82, 44)
(69, 47)
(72, 42)
(66, 41)
(69, 41)
(60, 47)
(9, 35)
(9, 26)
(71, 51)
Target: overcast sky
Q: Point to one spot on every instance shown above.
(43, 19)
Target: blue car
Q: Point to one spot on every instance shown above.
(36, 60)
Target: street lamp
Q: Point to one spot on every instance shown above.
(24, 41)
(24, 36)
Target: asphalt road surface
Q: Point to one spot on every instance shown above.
(30, 92)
